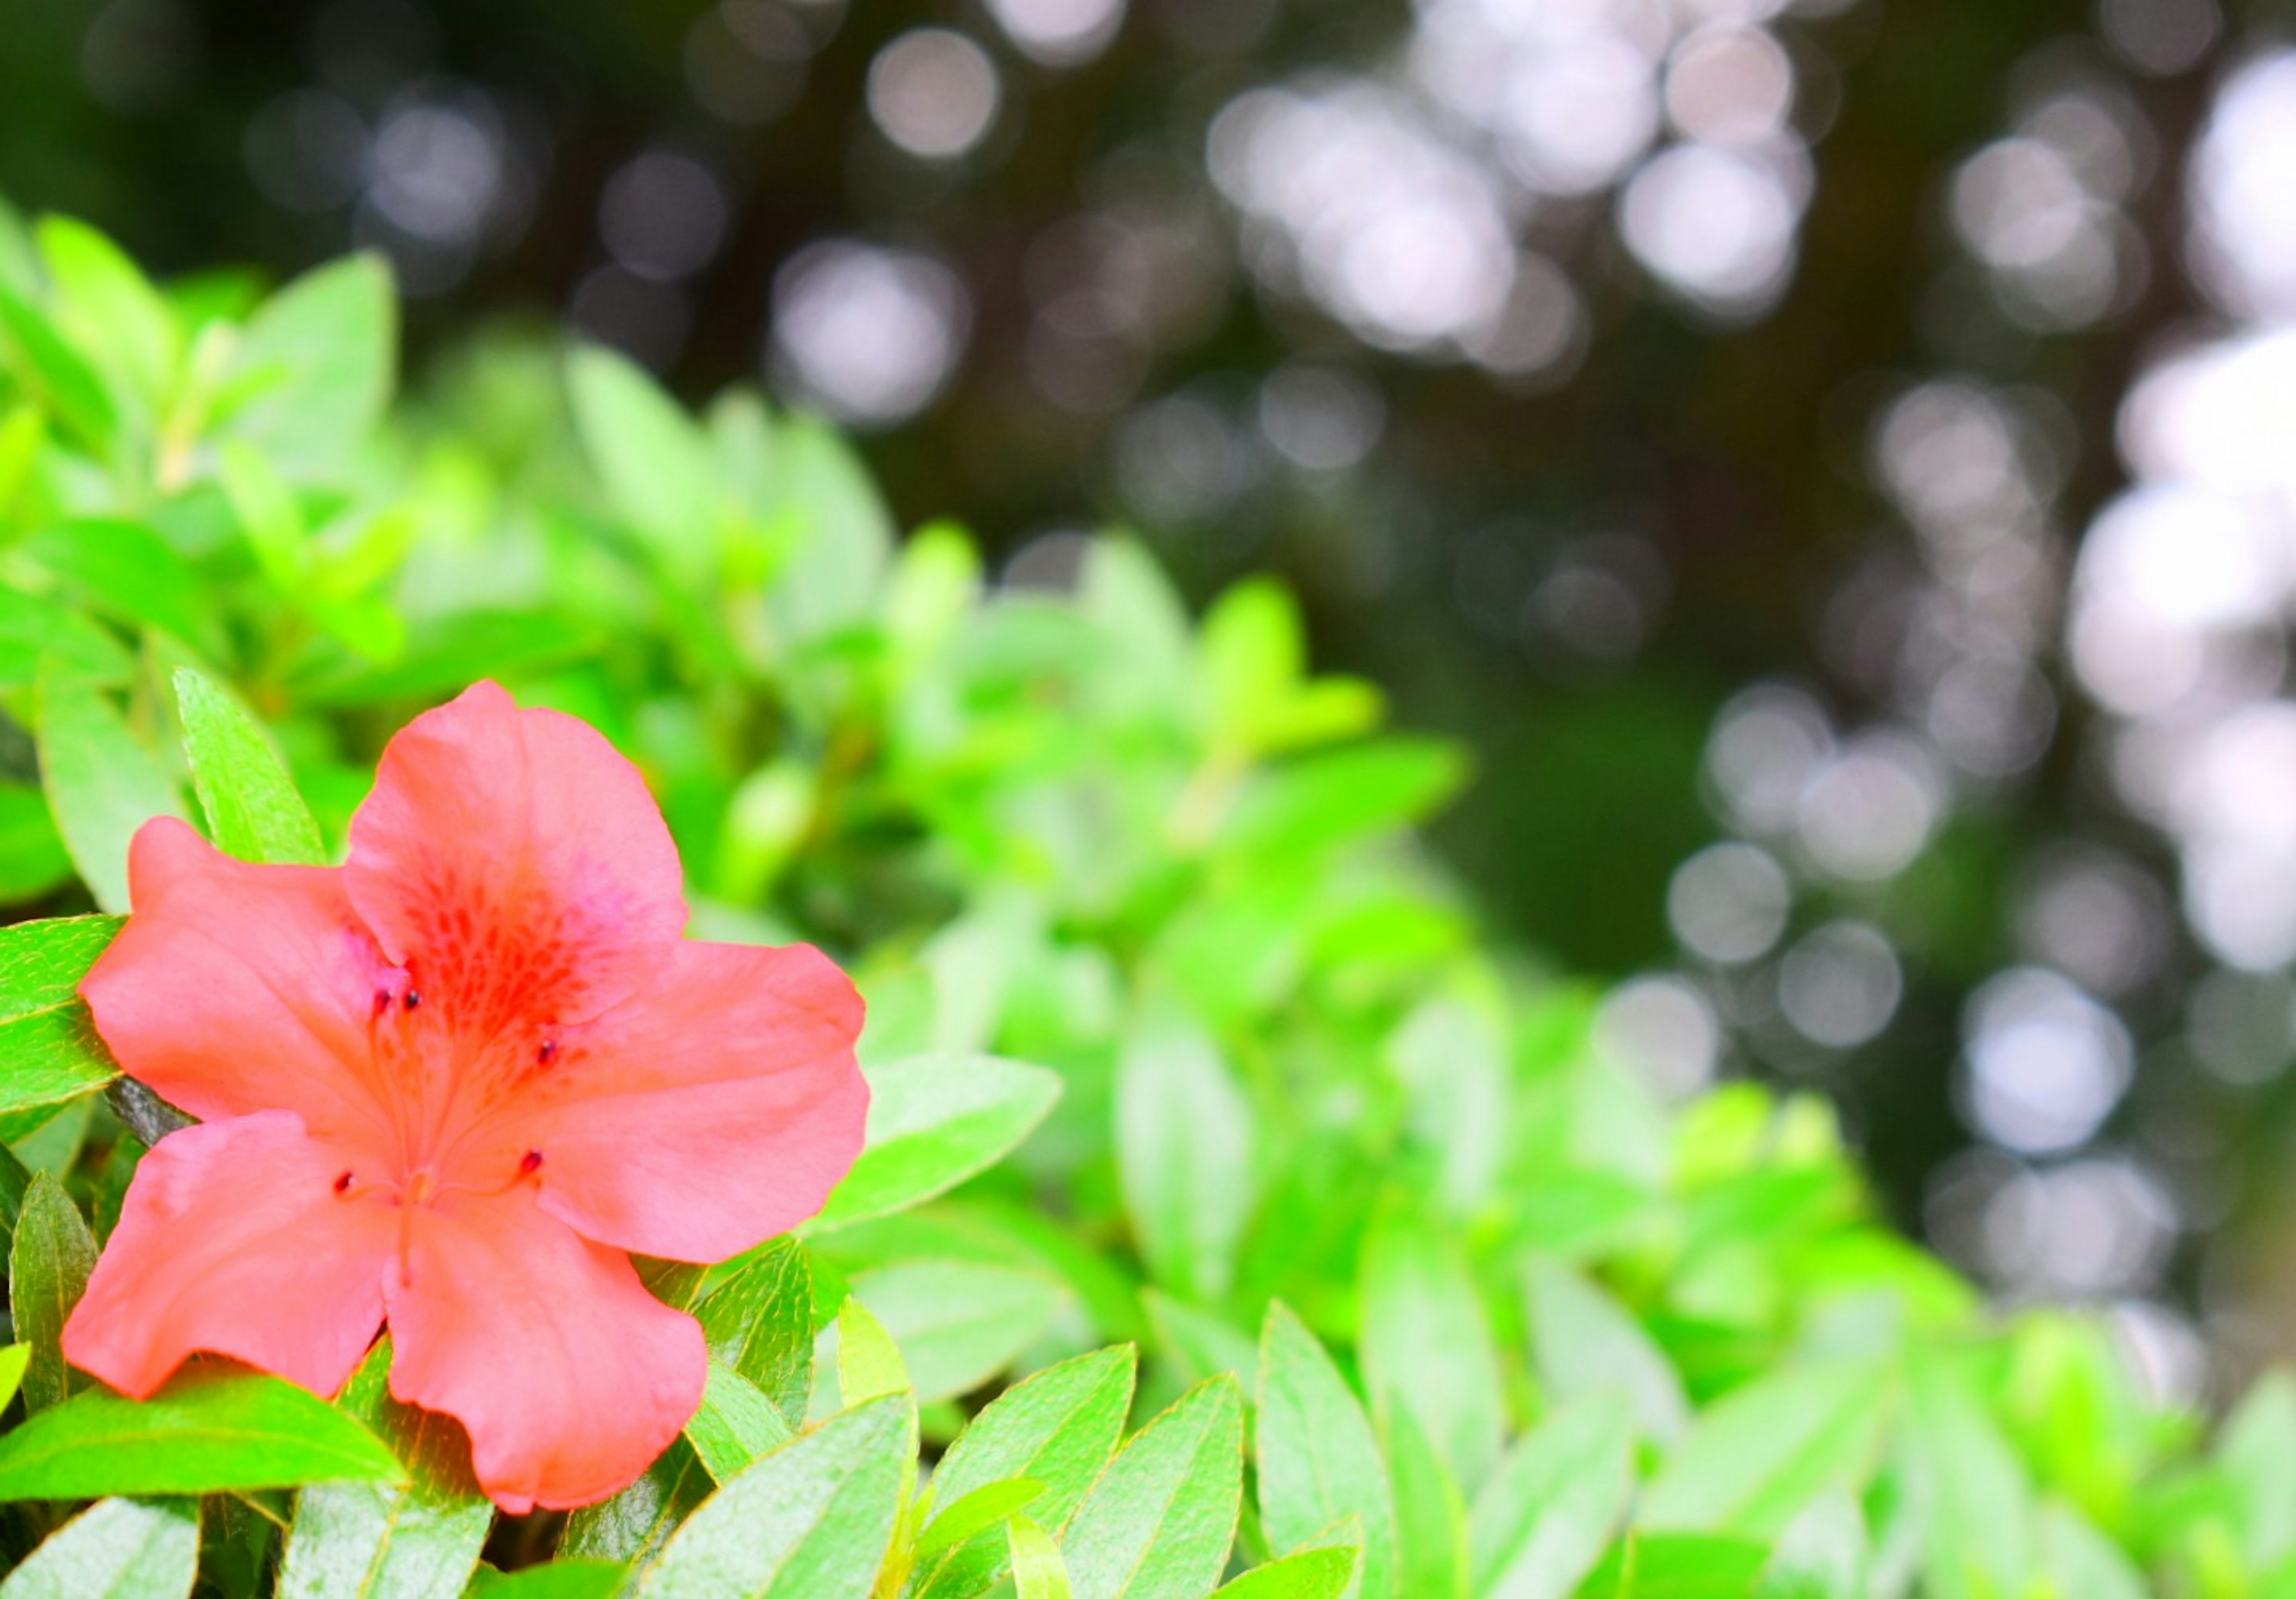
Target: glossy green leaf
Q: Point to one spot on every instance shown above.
(48, 1266)
(1426, 1339)
(1318, 1458)
(253, 809)
(983, 1508)
(958, 1322)
(561, 1579)
(1311, 1574)
(1430, 1518)
(33, 628)
(1754, 1459)
(318, 359)
(115, 1549)
(57, 375)
(15, 1360)
(1158, 1522)
(382, 1540)
(758, 1320)
(869, 1364)
(1544, 1517)
(935, 1120)
(102, 783)
(655, 464)
(1584, 1342)
(207, 1431)
(49, 1050)
(735, 1425)
(811, 1521)
(1058, 1428)
(1184, 1140)
(1039, 1571)
(1676, 1565)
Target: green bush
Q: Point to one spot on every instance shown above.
(1394, 1282)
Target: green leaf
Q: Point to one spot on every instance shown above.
(49, 1050)
(116, 1549)
(1426, 1340)
(111, 308)
(958, 1322)
(1677, 1566)
(1431, 1520)
(207, 1431)
(2083, 1560)
(270, 519)
(1978, 1544)
(1311, 1574)
(369, 1540)
(1252, 652)
(561, 1579)
(813, 1519)
(1544, 1517)
(48, 1266)
(1585, 1342)
(935, 1120)
(102, 783)
(1199, 1343)
(758, 1320)
(1319, 802)
(1057, 1428)
(319, 357)
(633, 1524)
(1754, 1459)
(129, 573)
(840, 532)
(2257, 1453)
(1161, 1518)
(1822, 1555)
(57, 375)
(1184, 1153)
(1318, 1458)
(1038, 1572)
(13, 1361)
(252, 807)
(33, 860)
(32, 629)
(869, 1364)
(735, 1425)
(979, 1511)
(655, 462)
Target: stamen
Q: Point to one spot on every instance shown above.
(381, 1001)
(548, 1053)
(531, 1164)
(414, 1000)
(343, 1184)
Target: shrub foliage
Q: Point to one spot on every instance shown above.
(1234, 1213)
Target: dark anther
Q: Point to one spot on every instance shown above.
(381, 1001)
(343, 1184)
(413, 999)
(531, 1164)
(548, 1053)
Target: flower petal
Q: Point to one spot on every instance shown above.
(569, 1377)
(516, 862)
(234, 1241)
(715, 1109)
(236, 987)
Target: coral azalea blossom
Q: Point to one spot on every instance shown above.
(450, 1085)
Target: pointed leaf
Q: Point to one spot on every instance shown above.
(102, 783)
(1311, 1574)
(320, 356)
(116, 1549)
(371, 1540)
(32, 627)
(958, 1322)
(1754, 1459)
(49, 1050)
(735, 1425)
(253, 809)
(654, 461)
(1319, 1460)
(976, 1513)
(1039, 1571)
(1431, 1520)
(1544, 1517)
(811, 1521)
(1586, 1343)
(935, 1120)
(1184, 1149)
(1161, 1520)
(758, 1321)
(48, 1266)
(207, 1431)
(1427, 1343)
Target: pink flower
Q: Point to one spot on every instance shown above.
(450, 1085)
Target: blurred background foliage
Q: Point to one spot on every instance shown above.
(1828, 463)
